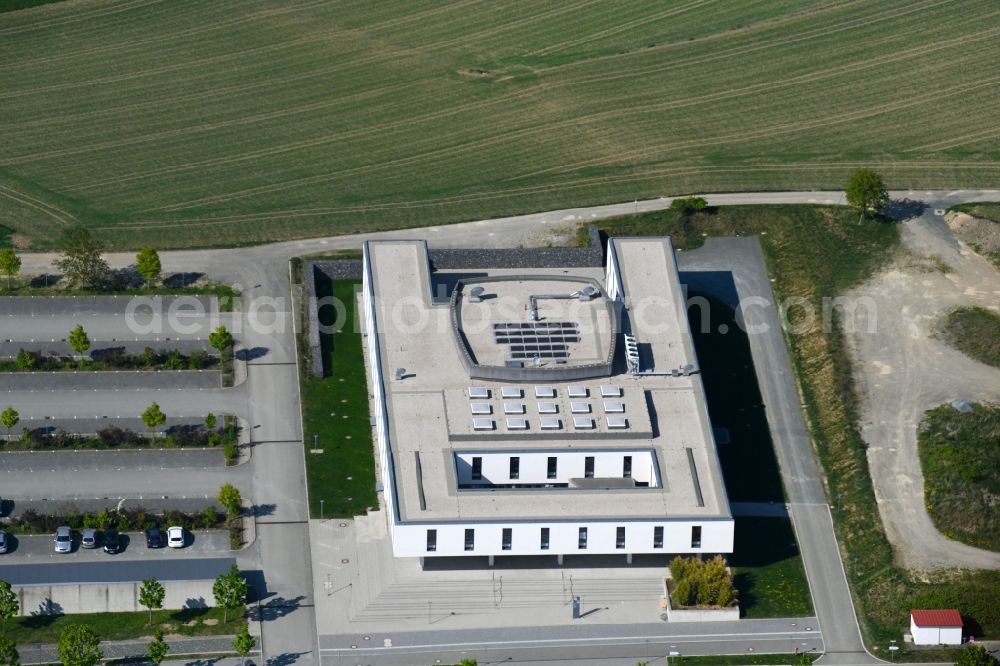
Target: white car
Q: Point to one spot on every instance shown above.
(175, 537)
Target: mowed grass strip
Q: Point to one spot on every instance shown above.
(335, 413)
(974, 331)
(189, 124)
(125, 626)
(768, 571)
(960, 459)
(814, 252)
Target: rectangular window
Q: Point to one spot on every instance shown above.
(627, 467)
(508, 538)
(582, 543)
(515, 467)
(477, 468)
(696, 536)
(432, 540)
(588, 467)
(553, 467)
(658, 536)
(470, 539)
(545, 539)
(620, 538)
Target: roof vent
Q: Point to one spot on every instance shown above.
(588, 293)
(476, 294)
(400, 373)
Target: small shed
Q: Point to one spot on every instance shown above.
(939, 626)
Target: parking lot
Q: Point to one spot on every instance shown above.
(38, 548)
(62, 481)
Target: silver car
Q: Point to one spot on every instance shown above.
(89, 538)
(63, 540)
(3, 542)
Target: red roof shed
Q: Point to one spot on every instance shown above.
(937, 617)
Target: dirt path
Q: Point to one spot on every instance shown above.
(902, 371)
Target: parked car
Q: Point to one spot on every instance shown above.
(3, 542)
(175, 537)
(112, 542)
(154, 538)
(89, 538)
(63, 540)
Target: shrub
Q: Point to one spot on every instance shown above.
(698, 583)
(175, 361)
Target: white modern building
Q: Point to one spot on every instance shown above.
(939, 626)
(545, 412)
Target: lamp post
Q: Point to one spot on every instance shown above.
(321, 509)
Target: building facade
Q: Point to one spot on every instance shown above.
(544, 412)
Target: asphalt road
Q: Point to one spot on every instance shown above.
(109, 381)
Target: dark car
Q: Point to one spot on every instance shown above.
(3, 542)
(112, 542)
(154, 538)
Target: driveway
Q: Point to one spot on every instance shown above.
(903, 370)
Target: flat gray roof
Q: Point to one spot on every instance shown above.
(430, 415)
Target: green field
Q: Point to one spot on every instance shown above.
(960, 459)
(188, 123)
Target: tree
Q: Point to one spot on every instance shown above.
(8, 652)
(25, 360)
(151, 595)
(10, 263)
(78, 339)
(81, 261)
(976, 655)
(79, 646)
(230, 590)
(229, 497)
(210, 421)
(244, 642)
(9, 606)
(220, 339)
(153, 417)
(158, 648)
(688, 205)
(866, 191)
(147, 262)
(9, 418)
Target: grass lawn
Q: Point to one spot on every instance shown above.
(335, 410)
(125, 626)
(984, 210)
(974, 331)
(960, 459)
(813, 252)
(767, 570)
(190, 123)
